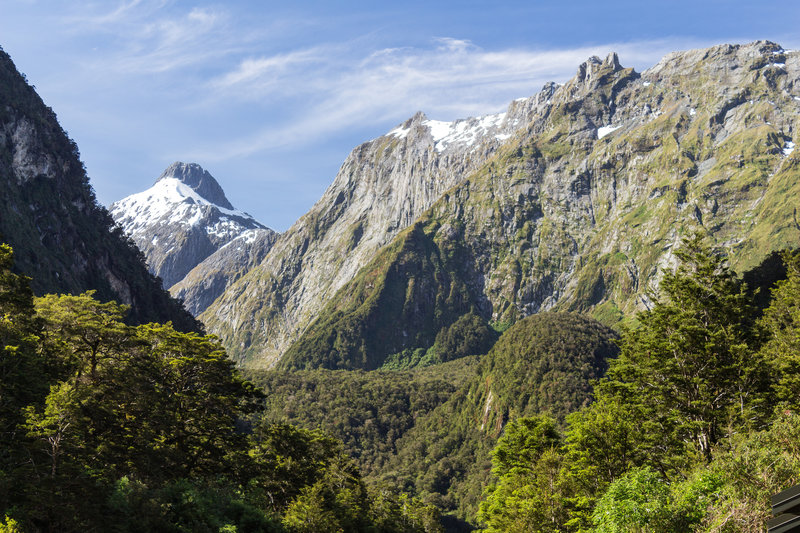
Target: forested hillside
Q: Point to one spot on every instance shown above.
(693, 427)
(701, 378)
(429, 431)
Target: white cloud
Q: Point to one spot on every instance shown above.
(255, 75)
(336, 90)
(94, 15)
(152, 36)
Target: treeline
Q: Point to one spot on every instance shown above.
(111, 427)
(694, 426)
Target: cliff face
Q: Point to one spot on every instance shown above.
(574, 200)
(382, 187)
(61, 237)
(209, 279)
(582, 211)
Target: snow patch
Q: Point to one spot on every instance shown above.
(646, 84)
(465, 132)
(788, 148)
(248, 236)
(605, 130)
(400, 132)
(692, 111)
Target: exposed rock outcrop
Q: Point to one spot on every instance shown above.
(582, 210)
(382, 187)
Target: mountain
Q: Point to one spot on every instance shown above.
(574, 204)
(383, 186)
(61, 237)
(181, 220)
(209, 279)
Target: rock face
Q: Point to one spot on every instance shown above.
(574, 199)
(382, 187)
(582, 211)
(181, 220)
(61, 237)
(208, 280)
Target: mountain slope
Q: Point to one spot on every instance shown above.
(382, 187)
(209, 279)
(181, 220)
(61, 237)
(582, 210)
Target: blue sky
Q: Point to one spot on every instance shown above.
(270, 97)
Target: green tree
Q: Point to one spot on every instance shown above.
(287, 459)
(530, 492)
(337, 501)
(601, 443)
(176, 400)
(691, 368)
(84, 331)
(24, 375)
(751, 467)
(636, 502)
(782, 320)
(23, 371)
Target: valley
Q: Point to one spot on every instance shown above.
(579, 314)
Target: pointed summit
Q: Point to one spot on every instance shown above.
(199, 179)
(182, 219)
(612, 60)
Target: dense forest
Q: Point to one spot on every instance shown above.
(111, 427)
(689, 429)
(684, 420)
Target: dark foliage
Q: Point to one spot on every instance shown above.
(110, 427)
(400, 301)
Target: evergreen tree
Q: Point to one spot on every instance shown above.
(690, 369)
(24, 374)
(530, 492)
(782, 320)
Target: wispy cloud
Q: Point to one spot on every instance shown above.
(254, 77)
(335, 89)
(153, 36)
(107, 15)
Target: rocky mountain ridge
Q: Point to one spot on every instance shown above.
(381, 188)
(577, 209)
(181, 220)
(209, 279)
(582, 211)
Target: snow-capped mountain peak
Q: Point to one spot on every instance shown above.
(182, 219)
(200, 181)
